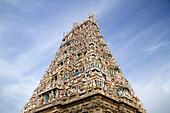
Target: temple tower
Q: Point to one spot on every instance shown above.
(84, 77)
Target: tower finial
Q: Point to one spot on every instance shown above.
(91, 16)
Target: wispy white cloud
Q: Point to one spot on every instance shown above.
(26, 6)
(153, 85)
(154, 47)
(154, 94)
(166, 87)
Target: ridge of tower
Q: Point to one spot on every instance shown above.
(83, 64)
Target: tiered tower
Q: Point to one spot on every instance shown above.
(84, 77)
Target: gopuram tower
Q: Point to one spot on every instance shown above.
(83, 77)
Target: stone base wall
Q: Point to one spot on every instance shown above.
(95, 101)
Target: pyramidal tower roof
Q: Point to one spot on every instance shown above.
(84, 71)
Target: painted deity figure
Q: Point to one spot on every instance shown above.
(57, 94)
(50, 97)
(94, 84)
(38, 101)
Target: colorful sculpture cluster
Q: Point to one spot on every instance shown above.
(82, 63)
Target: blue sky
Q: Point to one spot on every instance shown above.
(136, 31)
